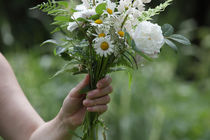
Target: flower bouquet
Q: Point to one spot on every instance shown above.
(104, 36)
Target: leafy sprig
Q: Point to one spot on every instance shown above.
(147, 15)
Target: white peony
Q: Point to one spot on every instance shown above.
(148, 38)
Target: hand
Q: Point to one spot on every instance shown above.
(75, 105)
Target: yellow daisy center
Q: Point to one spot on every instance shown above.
(121, 33)
(101, 35)
(109, 11)
(104, 46)
(98, 21)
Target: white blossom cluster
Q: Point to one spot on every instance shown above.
(116, 19)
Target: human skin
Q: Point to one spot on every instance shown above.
(19, 120)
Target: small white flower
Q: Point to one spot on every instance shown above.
(81, 7)
(83, 12)
(103, 46)
(72, 26)
(86, 3)
(130, 24)
(123, 5)
(98, 23)
(139, 5)
(148, 37)
(110, 7)
(146, 1)
(117, 26)
(102, 31)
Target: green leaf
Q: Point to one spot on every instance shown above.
(55, 30)
(66, 56)
(100, 8)
(81, 19)
(62, 18)
(167, 30)
(116, 69)
(95, 17)
(60, 50)
(171, 44)
(180, 39)
(62, 70)
(50, 41)
(63, 3)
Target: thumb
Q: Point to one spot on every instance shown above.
(75, 92)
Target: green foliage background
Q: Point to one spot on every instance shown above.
(169, 99)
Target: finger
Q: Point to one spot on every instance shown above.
(100, 101)
(70, 105)
(77, 119)
(104, 82)
(75, 91)
(99, 92)
(98, 108)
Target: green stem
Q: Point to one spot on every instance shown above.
(126, 17)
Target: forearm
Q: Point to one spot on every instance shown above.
(52, 130)
(18, 119)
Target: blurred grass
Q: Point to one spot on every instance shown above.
(169, 99)
(157, 106)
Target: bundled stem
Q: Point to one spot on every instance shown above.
(97, 71)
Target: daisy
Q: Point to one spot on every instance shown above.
(110, 7)
(102, 31)
(117, 26)
(104, 46)
(124, 5)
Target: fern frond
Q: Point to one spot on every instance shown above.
(146, 15)
(53, 7)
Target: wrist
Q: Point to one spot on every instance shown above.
(64, 122)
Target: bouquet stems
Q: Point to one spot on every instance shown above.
(91, 126)
(97, 71)
(92, 132)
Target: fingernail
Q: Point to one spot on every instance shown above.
(90, 95)
(85, 102)
(99, 85)
(89, 109)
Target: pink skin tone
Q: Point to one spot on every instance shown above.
(19, 120)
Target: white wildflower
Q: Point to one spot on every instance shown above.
(103, 31)
(104, 46)
(83, 12)
(139, 5)
(110, 7)
(148, 37)
(72, 26)
(146, 1)
(131, 23)
(124, 5)
(86, 3)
